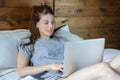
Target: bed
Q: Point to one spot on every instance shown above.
(8, 50)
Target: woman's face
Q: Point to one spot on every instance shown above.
(46, 25)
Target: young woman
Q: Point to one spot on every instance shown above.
(41, 54)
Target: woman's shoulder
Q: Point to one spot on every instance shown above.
(26, 49)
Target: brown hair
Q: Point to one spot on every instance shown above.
(36, 16)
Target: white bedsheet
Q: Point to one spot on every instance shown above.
(12, 74)
(109, 53)
(9, 74)
(29, 78)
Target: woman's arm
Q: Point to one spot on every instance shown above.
(24, 69)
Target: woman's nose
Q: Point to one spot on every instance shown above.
(50, 25)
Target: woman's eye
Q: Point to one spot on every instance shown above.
(53, 22)
(46, 22)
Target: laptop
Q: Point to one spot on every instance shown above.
(80, 54)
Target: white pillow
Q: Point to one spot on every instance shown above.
(8, 47)
(65, 32)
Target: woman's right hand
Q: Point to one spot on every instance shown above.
(56, 67)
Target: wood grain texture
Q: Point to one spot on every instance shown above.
(86, 18)
(24, 3)
(16, 14)
(14, 18)
(91, 19)
(90, 28)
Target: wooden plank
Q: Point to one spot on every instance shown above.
(87, 3)
(92, 25)
(24, 3)
(0, 3)
(62, 11)
(87, 21)
(14, 18)
(70, 3)
(104, 2)
(87, 8)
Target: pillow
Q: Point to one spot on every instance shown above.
(65, 32)
(8, 46)
(9, 41)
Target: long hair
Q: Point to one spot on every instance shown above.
(36, 16)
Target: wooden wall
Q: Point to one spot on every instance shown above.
(91, 19)
(16, 14)
(86, 18)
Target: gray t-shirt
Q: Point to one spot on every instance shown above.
(46, 51)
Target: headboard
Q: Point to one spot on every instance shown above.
(86, 18)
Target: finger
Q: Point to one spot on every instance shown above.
(59, 71)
